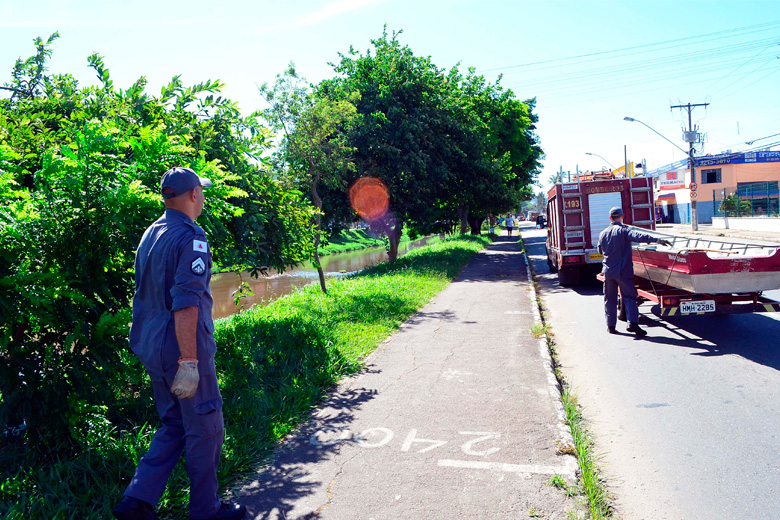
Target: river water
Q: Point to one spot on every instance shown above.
(266, 289)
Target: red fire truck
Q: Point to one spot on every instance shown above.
(577, 212)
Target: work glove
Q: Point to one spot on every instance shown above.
(186, 381)
(665, 243)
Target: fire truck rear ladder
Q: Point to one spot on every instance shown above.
(573, 211)
(648, 205)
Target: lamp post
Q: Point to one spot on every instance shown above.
(597, 155)
(689, 153)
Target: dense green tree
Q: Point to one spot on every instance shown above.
(444, 145)
(504, 151)
(402, 139)
(314, 147)
(79, 181)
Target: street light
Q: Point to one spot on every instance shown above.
(760, 139)
(654, 130)
(689, 153)
(597, 155)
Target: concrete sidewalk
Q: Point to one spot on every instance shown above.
(454, 417)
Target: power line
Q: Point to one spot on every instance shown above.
(751, 28)
(565, 99)
(745, 63)
(773, 58)
(651, 64)
(750, 84)
(747, 46)
(660, 78)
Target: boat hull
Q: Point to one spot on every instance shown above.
(706, 273)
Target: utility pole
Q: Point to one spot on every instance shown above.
(691, 137)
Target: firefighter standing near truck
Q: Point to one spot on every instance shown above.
(618, 269)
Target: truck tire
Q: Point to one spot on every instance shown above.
(568, 276)
(552, 266)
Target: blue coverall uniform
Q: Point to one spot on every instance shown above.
(618, 269)
(172, 272)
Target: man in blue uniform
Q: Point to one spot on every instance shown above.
(618, 270)
(173, 336)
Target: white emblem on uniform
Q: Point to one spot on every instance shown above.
(198, 266)
(199, 246)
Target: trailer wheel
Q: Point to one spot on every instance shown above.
(552, 266)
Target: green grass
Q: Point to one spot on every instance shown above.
(275, 363)
(353, 240)
(540, 329)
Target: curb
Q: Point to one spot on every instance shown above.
(552, 381)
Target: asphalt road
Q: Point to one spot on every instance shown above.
(687, 419)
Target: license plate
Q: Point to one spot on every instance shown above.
(596, 256)
(697, 307)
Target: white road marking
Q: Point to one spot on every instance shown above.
(336, 435)
(502, 466)
(361, 438)
(452, 374)
(412, 438)
(482, 436)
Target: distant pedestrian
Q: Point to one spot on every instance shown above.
(618, 269)
(510, 223)
(172, 333)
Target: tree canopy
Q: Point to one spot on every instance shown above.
(442, 143)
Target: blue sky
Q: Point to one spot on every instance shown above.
(723, 52)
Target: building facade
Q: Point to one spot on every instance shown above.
(747, 180)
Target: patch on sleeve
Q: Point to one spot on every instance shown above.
(198, 266)
(200, 247)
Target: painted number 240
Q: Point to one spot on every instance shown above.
(378, 437)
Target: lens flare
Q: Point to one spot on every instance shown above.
(369, 198)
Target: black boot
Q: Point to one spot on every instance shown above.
(130, 508)
(229, 511)
(637, 330)
(611, 330)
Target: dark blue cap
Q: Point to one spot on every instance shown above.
(616, 212)
(181, 180)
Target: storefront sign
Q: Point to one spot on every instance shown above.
(714, 160)
(672, 180)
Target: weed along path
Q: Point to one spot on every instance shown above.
(452, 417)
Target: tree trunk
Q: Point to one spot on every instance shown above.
(394, 235)
(317, 221)
(463, 214)
(475, 223)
